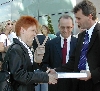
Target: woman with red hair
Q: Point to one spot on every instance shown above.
(20, 58)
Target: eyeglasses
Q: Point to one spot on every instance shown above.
(63, 28)
(9, 24)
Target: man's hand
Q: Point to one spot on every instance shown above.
(88, 75)
(52, 71)
(53, 78)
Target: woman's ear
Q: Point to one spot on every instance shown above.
(22, 30)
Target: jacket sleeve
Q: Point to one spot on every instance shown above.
(20, 74)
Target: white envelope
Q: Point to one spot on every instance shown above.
(71, 75)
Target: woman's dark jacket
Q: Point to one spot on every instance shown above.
(23, 76)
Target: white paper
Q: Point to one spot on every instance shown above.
(71, 75)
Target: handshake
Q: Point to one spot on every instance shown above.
(53, 76)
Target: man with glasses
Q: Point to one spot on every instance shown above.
(58, 50)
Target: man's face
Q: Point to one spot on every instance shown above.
(30, 33)
(82, 20)
(65, 26)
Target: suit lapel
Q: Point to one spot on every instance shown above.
(94, 35)
(58, 46)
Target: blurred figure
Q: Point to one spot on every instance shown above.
(12, 33)
(4, 40)
(46, 32)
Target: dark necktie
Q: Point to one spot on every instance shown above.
(64, 51)
(83, 57)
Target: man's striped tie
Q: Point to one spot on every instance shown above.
(83, 56)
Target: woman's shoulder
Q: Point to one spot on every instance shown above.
(15, 46)
(3, 37)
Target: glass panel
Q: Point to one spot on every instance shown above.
(13, 9)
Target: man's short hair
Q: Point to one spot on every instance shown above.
(87, 8)
(65, 16)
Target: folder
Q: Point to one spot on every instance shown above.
(71, 75)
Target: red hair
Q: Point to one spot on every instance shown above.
(25, 22)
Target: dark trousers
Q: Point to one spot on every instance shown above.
(88, 86)
(62, 85)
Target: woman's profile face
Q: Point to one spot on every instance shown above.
(29, 35)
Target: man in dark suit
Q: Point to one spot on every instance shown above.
(53, 56)
(85, 13)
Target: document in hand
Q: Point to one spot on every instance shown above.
(71, 75)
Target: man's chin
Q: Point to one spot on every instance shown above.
(65, 36)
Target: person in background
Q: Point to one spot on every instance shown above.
(12, 33)
(20, 58)
(4, 40)
(58, 51)
(1, 59)
(41, 38)
(86, 57)
(46, 32)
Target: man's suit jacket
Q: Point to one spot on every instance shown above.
(53, 59)
(93, 59)
(53, 53)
